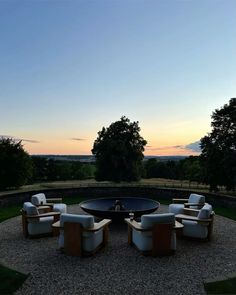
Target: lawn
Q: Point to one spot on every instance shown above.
(11, 280)
(222, 287)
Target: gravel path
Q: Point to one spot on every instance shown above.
(118, 269)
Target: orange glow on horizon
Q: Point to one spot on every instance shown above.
(83, 148)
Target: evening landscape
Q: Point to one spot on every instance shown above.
(118, 147)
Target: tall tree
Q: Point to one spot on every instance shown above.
(118, 150)
(219, 148)
(15, 164)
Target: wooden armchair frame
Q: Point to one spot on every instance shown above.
(187, 204)
(73, 236)
(161, 236)
(26, 218)
(191, 214)
(49, 204)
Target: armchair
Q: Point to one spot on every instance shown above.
(80, 235)
(194, 201)
(53, 204)
(154, 235)
(35, 224)
(198, 224)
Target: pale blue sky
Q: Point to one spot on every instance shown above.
(67, 68)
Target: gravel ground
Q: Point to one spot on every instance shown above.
(119, 268)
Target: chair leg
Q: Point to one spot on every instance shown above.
(210, 229)
(56, 231)
(73, 239)
(24, 225)
(105, 235)
(161, 237)
(130, 239)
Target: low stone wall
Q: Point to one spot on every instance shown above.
(91, 192)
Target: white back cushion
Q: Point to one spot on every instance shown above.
(38, 199)
(195, 198)
(205, 212)
(148, 220)
(86, 221)
(195, 230)
(30, 209)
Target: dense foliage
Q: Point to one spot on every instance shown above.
(46, 169)
(15, 164)
(219, 148)
(186, 169)
(118, 150)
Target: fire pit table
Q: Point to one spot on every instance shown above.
(119, 208)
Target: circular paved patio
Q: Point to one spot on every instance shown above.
(119, 268)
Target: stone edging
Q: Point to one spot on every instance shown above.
(116, 191)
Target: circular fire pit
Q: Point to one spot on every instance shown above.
(118, 209)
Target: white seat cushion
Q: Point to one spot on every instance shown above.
(60, 207)
(90, 240)
(176, 208)
(205, 212)
(41, 226)
(195, 198)
(143, 240)
(195, 230)
(148, 220)
(30, 209)
(86, 221)
(38, 199)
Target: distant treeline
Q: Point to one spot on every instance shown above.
(48, 169)
(186, 169)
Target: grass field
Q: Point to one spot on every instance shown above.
(11, 280)
(222, 287)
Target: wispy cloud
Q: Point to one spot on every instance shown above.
(194, 146)
(30, 140)
(162, 148)
(19, 139)
(77, 139)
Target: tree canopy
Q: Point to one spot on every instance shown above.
(15, 164)
(219, 148)
(118, 150)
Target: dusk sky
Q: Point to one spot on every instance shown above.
(68, 68)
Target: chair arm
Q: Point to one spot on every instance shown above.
(97, 226)
(135, 225)
(44, 208)
(54, 200)
(43, 215)
(179, 200)
(48, 204)
(177, 225)
(191, 212)
(193, 204)
(192, 218)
